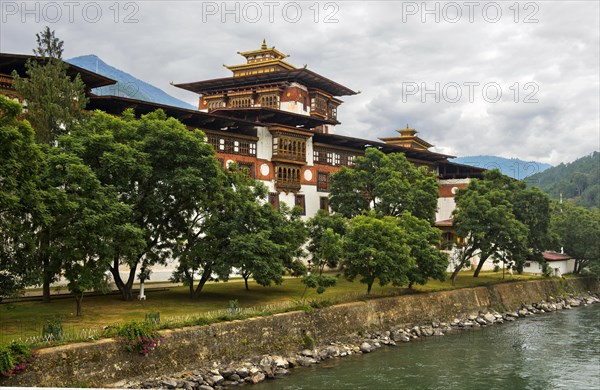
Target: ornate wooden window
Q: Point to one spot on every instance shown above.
(289, 147)
(301, 202)
(271, 101)
(240, 102)
(214, 104)
(322, 181)
(232, 145)
(332, 157)
(324, 203)
(318, 104)
(287, 178)
(274, 199)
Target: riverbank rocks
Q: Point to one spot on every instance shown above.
(261, 368)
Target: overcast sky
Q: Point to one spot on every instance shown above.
(439, 67)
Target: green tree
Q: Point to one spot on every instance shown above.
(239, 230)
(163, 171)
(424, 242)
(325, 247)
(376, 248)
(578, 231)
(484, 217)
(386, 183)
(55, 102)
(21, 200)
(89, 224)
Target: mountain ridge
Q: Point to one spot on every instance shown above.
(513, 167)
(127, 85)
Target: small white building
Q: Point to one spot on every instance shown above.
(560, 263)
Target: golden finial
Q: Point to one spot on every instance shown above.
(264, 45)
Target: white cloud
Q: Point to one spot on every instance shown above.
(372, 49)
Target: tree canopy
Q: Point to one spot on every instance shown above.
(386, 183)
(485, 217)
(54, 101)
(21, 199)
(578, 232)
(376, 248)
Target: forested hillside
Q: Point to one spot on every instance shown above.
(578, 180)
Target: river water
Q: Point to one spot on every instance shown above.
(559, 350)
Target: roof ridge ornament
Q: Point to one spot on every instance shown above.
(264, 45)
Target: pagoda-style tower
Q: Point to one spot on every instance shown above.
(408, 139)
(260, 61)
(268, 89)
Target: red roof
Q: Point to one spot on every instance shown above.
(444, 223)
(555, 256)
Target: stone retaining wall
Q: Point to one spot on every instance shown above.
(103, 363)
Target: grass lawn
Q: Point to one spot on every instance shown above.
(25, 319)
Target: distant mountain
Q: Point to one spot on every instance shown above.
(127, 85)
(513, 167)
(578, 181)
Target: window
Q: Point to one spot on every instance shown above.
(324, 203)
(274, 199)
(271, 101)
(300, 202)
(252, 147)
(240, 102)
(287, 178)
(214, 104)
(221, 144)
(322, 181)
(330, 158)
(290, 148)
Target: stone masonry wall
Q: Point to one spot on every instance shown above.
(103, 362)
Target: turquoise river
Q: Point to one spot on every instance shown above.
(558, 350)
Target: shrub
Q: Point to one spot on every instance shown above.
(153, 318)
(141, 337)
(53, 329)
(308, 342)
(13, 358)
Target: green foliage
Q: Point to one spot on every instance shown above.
(423, 241)
(386, 183)
(578, 181)
(308, 342)
(13, 358)
(486, 217)
(140, 337)
(53, 329)
(163, 172)
(55, 102)
(21, 200)
(377, 249)
(152, 318)
(233, 305)
(578, 230)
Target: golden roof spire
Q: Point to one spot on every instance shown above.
(264, 44)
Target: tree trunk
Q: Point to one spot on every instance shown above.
(246, 282)
(203, 279)
(369, 285)
(78, 299)
(46, 271)
(482, 260)
(124, 288)
(47, 277)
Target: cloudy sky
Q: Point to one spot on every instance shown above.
(514, 79)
